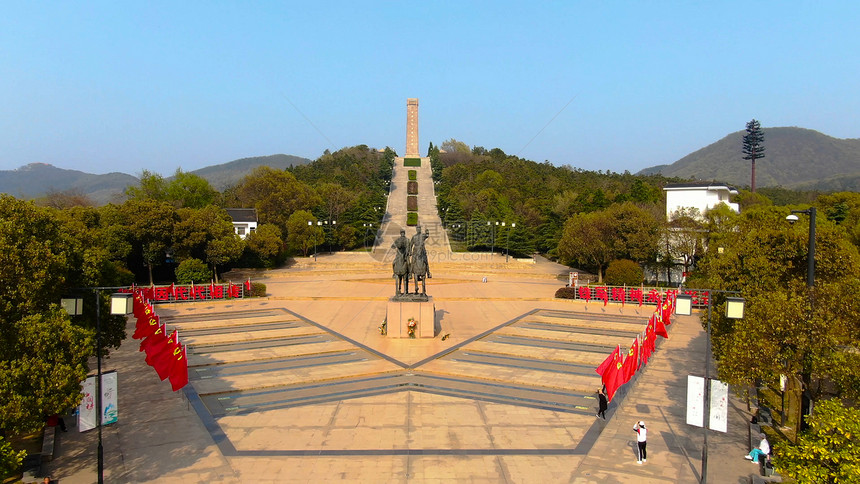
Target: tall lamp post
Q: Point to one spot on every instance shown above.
(734, 310)
(508, 243)
(367, 227)
(810, 286)
(311, 225)
(120, 304)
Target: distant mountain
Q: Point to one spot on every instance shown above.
(38, 179)
(795, 158)
(228, 174)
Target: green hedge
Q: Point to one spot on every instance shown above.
(566, 293)
(411, 161)
(411, 219)
(412, 188)
(412, 203)
(258, 289)
(413, 175)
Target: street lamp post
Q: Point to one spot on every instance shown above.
(508, 244)
(367, 227)
(311, 225)
(120, 304)
(805, 401)
(734, 310)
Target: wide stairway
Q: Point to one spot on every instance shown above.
(271, 358)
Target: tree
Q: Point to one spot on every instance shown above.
(301, 235)
(190, 190)
(197, 227)
(276, 195)
(266, 243)
(150, 224)
(454, 146)
(191, 270)
(765, 259)
(44, 362)
(753, 147)
(623, 272)
(152, 186)
(223, 250)
(10, 459)
(584, 241)
(829, 451)
(35, 260)
(683, 238)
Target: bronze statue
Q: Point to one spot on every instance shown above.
(418, 259)
(401, 261)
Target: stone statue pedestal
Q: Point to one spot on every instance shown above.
(402, 308)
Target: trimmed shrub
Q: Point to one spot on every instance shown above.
(412, 203)
(193, 270)
(258, 289)
(413, 175)
(623, 272)
(412, 188)
(411, 161)
(411, 219)
(566, 293)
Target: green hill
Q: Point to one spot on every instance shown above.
(228, 174)
(795, 158)
(38, 179)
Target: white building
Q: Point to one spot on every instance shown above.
(244, 220)
(702, 196)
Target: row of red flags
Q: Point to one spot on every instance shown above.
(163, 352)
(617, 369)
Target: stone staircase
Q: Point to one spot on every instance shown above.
(270, 358)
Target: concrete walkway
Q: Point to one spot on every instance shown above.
(301, 387)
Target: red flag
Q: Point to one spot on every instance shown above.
(173, 290)
(613, 378)
(179, 371)
(158, 336)
(631, 362)
(164, 359)
(211, 288)
(609, 361)
(156, 347)
(659, 327)
(648, 342)
(248, 285)
(146, 327)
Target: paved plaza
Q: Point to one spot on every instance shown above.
(301, 387)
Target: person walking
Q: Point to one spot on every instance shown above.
(603, 404)
(641, 440)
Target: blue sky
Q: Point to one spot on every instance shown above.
(128, 86)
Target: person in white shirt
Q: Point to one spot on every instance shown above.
(763, 449)
(641, 439)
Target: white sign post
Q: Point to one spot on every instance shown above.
(87, 408)
(718, 408)
(695, 400)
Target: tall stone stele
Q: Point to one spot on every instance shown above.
(412, 128)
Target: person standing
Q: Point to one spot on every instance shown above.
(641, 440)
(603, 404)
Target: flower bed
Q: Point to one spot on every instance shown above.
(413, 175)
(412, 188)
(411, 219)
(412, 203)
(411, 161)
